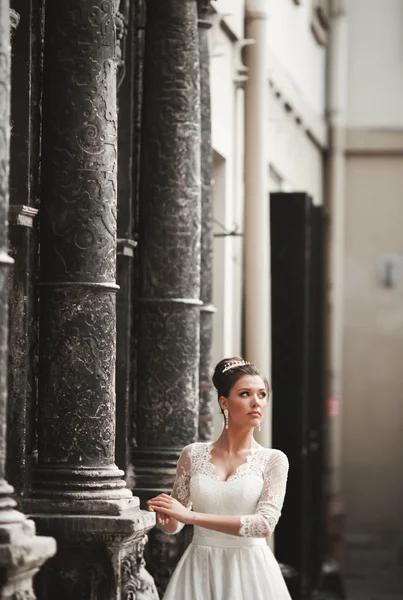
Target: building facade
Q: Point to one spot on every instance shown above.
(144, 147)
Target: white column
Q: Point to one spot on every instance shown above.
(256, 216)
(337, 109)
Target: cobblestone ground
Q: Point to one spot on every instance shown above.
(373, 568)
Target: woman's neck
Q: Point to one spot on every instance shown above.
(235, 441)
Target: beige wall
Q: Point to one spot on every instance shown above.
(373, 348)
(375, 66)
(373, 327)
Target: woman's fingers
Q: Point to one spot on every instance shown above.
(157, 507)
(164, 503)
(163, 509)
(159, 497)
(156, 498)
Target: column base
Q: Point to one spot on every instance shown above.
(99, 556)
(84, 505)
(22, 553)
(79, 490)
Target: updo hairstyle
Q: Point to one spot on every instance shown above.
(224, 382)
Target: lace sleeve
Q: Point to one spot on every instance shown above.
(268, 510)
(181, 488)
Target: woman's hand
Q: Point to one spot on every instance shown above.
(161, 519)
(165, 505)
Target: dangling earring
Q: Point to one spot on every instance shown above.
(260, 427)
(226, 413)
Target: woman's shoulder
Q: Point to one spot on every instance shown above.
(194, 447)
(274, 457)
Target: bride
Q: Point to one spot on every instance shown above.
(236, 490)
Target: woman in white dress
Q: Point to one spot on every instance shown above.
(236, 490)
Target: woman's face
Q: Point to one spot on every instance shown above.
(247, 401)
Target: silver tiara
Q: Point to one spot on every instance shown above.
(236, 363)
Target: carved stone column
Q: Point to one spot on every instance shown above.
(206, 280)
(22, 339)
(21, 552)
(126, 243)
(76, 425)
(169, 259)
(78, 492)
(24, 182)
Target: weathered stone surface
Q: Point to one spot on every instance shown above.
(127, 190)
(168, 298)
(98, 558)
(22, 341)
(206, 275)
(26, 43)
(78, 493)
(77, 340)
(169, 245)
(21, 552)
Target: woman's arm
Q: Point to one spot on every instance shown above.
(180, 514)
(180, 493)
(221, 523)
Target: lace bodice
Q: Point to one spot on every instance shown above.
(255, 491)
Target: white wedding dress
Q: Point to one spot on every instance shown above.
(218, 566)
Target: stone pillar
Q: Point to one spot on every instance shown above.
(22, 339)
(169, 259)
(78, 492)
(126, 243)
(206, 275)
(21, 552)
(22, 240)
(76, 425)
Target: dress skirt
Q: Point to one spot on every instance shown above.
(215, 569)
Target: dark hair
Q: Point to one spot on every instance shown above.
(224, 382)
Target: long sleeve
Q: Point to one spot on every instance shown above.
(181, 488)
(268, 510)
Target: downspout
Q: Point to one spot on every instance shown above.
(256, 215)
(336, 175)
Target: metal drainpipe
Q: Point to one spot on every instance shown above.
(336, 176)
(256, 216)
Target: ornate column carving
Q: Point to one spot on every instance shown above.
(21, 552)
(24, 183)
(76, 421)
(169, 259)
(126, 242)
(22, 339)
(78, 492)
(206, 279)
